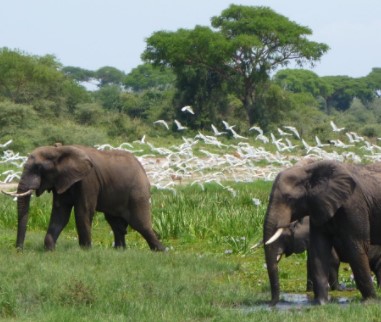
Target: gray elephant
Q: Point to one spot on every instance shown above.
(295, 239)
(343, 202)
(88, 180)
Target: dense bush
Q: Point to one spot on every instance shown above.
(42, 102)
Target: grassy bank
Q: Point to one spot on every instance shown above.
(208, 274)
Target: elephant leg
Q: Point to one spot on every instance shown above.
(320, 257)
(119, 228)
(84, 214)
(309, 287)
(58, 220)
(140, 220)
(359, 262)
(334, 271)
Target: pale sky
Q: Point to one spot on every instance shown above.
(95, 33)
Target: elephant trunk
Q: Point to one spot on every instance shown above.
(272, 271)
(271, 262)
(270, 228)
(23, 214)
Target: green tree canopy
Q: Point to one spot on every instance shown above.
(78, 73)
(374, 80)
(28, 79)
(245, 46)
(147, 76)
(301, 81)
(109, 76)
(343, 89)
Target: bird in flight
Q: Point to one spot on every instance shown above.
(335, 128)
(6, 144)
(236, 135)
(188, 109)
(180, 127)
(216, 132)
(227, 126)
(293, 130)
(282, 133)
(256, 128)
(162, 122)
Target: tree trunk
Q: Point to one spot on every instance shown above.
(249, 104)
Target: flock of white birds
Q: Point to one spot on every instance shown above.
(234, 159)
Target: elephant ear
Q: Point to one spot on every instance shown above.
(73, 165)
(330, 186)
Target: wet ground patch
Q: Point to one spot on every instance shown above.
(291, 301)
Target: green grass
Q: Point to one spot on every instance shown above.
(209, 273)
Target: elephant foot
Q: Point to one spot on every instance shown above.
(120, 247)
(321, 298)
(319, 301)
(159, 248)
(273, 303)
(119, 244)
(49, 243)
(371, 297)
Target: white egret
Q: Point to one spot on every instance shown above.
(180, 127)
(216, 131)
(163, 123)
(188, 109)
(335, 128)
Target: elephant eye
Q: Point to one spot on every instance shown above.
(47, 166)
(37, 168)
(288, 198)
(43, 167)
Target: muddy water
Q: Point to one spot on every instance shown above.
(292, 301)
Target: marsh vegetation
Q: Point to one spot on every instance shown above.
(208, 273)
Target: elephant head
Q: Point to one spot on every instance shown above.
(317, 190)
(46, 169)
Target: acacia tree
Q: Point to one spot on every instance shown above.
(146, 76)
(108, 75)
(79, 74)
(245, 46)
(199, 70)
(301, 81)
(343, 89)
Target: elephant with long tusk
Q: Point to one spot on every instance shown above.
(295, 239)
(113, 182)
(343, 203)
(17, 195)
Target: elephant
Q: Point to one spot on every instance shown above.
(344, 205)
(113, 182)
(295, 239)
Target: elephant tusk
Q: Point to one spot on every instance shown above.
(17, 195)
(275, 236)
(260, 243)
